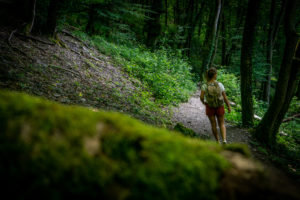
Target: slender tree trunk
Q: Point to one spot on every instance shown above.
(214, 36)
(52, 17)
(287, 82)
(209, 42)
(193, 27)
(266, 96)
(240, 13)
(224, 38)
(29, 16)
(208, 39)
(298, 90)
(246, 62)
(273, 29)
(177, 13)
(215, 48)
(91, 20)
(166, 13)
(153, 26)
(33, 5)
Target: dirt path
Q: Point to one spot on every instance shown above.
(192, 115)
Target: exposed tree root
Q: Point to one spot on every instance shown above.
(58, 41)
(33, 38)
(67, 70)
(10, 36)
(73, 36)
(15, 48)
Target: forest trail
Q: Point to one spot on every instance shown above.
(192, 115)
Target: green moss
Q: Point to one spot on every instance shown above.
(67, 151)
(184, 130)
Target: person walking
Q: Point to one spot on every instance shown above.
(213, 97)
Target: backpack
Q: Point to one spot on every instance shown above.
(214, 97)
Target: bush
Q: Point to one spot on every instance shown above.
(232, 88)
(57, 152)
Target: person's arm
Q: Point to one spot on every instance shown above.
(226, 101)
(202, 96)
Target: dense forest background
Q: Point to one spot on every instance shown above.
(169, 44)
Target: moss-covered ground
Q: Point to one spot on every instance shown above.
(63, 151)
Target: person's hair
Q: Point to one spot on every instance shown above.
(211, 73)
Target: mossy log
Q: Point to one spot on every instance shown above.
(51, 151)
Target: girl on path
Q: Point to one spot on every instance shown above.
(213, 96)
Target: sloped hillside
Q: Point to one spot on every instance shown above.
(68, 70)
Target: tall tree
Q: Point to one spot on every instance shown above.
(272, 33)
(298, 91)
(52, 17)
(30, 16)
(287, 82)
(211, 31)
(246, 62)
(224, 38)
(153, 26)
(210, 57)
(192, 21)
(166, 13)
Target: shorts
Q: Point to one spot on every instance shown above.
(220, 111)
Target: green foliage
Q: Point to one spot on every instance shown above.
(288, 139)
(67, 151)
(164, 72)
(232, 89)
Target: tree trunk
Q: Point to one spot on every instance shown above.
(266, 96)
(246, 62)
(31, 17)
(177, 13)
(153, 26)
(223, 30)
(209, 37)
(298, 90)
(287, 82)
(192, 25)
(273, 29)
(91, 20)
(240, 16)
(166, 13)
(52, 17)
(214, 36)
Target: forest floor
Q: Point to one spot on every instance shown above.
(70, 71)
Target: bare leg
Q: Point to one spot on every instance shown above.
(222, 127)
(213, 123)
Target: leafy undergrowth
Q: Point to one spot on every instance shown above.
(288, 141)
(232, 88)
(164, 71)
